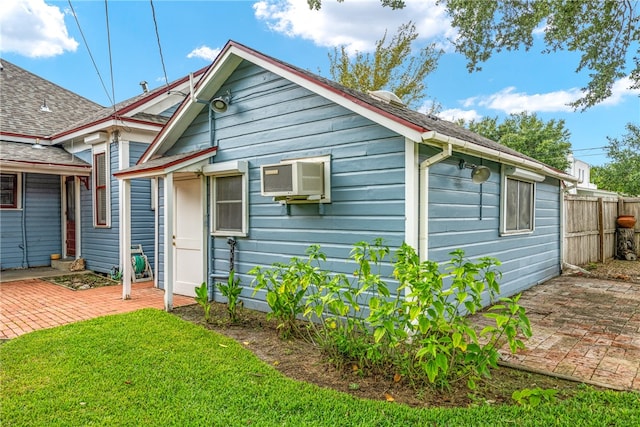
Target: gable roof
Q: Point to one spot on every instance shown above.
(130, 111)
(413, 125)
(23, 97)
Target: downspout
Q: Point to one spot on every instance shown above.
(446, 152)
(23, 202)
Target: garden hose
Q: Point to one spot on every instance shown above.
(138, 263)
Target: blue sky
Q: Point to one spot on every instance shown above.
(43, 37)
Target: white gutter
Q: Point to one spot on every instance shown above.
(491, 154)
(423, 243)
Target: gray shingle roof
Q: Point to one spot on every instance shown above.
(427, 122)
(21, 96)
(49, 155)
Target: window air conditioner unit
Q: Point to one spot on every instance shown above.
(296, 180)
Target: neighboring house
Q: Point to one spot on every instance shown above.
(277, 158)
(57, 155)
(582, 172)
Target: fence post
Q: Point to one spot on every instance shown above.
(620, 206)
(600, 229)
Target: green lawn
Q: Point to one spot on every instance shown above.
(152, 368)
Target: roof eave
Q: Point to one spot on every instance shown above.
(44, 168)
(462, 146)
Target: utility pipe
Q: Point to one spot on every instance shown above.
(446, 152)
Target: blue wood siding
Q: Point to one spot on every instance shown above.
(43, 218)
(464, 215)
(11, 239)
(142, 216)
(29, 241)
(100, 245)
(271, 119)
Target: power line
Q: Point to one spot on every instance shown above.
(155, 24)
(588, 149)
(89, 51)
(113, 86)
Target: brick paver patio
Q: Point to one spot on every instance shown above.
(28, 305)
(583, 328)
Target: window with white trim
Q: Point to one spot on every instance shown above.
(519, 206)
(10, 190)
(229, 195)
(101, 199)
(518, 200)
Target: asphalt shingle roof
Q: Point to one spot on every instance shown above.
(22, 94)
(50, 155)
(425, 121)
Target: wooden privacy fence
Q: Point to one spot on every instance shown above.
(590, 226)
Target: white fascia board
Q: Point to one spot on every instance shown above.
(161, 102)
(205, 90)
(25, 139)
(173, 130)
(197, 165)
(462, 146)
(131, 126)
(51, 169)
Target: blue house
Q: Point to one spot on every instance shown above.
(58, 151)
(268, 158)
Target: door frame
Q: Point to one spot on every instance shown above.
(178, 177)
(63, 215)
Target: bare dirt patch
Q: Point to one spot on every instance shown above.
(82, 281)
(304, 361)
(614, 269)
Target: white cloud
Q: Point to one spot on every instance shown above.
(34, 29)
(454, 114)
(509, 101)
(619, 91)
(204, 52)
(352, 23)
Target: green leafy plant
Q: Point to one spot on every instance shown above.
(417, 327)
(286, 285)
(421, 330)
(339, 308)
(532, 398)
(232, 290)
(202, 298)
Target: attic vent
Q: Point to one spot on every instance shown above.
(44, 107)
(387, 96)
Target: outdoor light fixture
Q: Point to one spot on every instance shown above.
(479, 174)
(221, 103)
(37, 145)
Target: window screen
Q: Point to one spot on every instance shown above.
(228, 203)
(519, 205)
(100, 188)
(8, 190)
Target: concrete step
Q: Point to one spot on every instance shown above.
(68, 264)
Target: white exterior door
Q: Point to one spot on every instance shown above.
(188, 240)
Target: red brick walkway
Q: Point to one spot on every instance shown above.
(583, 328)
(28, 305)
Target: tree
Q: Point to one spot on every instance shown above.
(526, 133)
(390, 67)
(393, 4)
(603, 31)
(623, 173)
